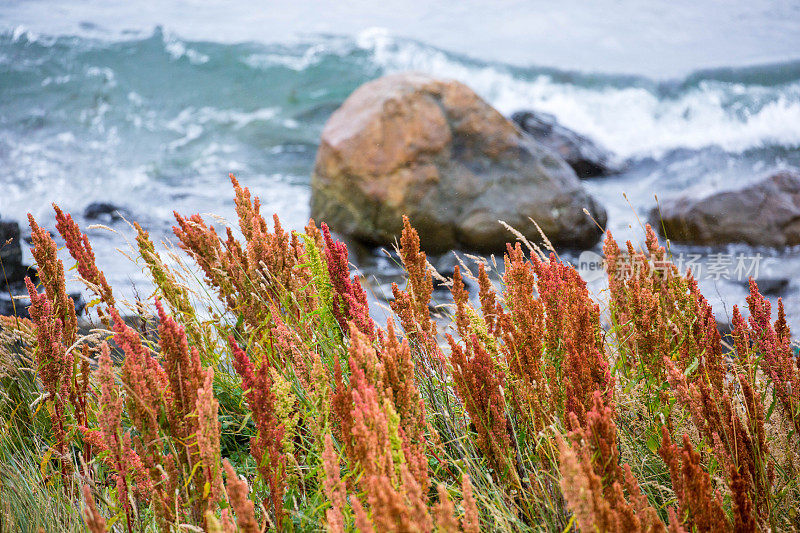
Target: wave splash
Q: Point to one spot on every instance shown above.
(735, 110)
(632, 116)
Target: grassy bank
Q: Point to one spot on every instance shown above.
(266, 397)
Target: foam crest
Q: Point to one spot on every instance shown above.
(633, 120)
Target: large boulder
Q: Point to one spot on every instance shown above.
(433, 150)
(764, 214)
(585, 157)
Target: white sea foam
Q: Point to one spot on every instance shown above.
(303, 55)
(632, 121)
(177, 49)
(192, 117)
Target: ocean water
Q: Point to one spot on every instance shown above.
(150, 108)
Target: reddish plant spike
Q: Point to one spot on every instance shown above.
(659, 313)
(470, 523)
(54, 368)
(412, 304)
(488, 299)
(523, 329)
(420, 281)
(208, 439)
(144, 375)
(744, 518)
(703, 507)
(266, 445)
(316, 235)
(334, 488)
(699, 507)
(398, 366)
(461, 298)
(773, 343)
(341, 406)
(362, 521)
(593, 479)
(183, 370)
(479, 387)
(781, 327)
(670, 454)
(81, 250)
(126, 464)
(94, 520)
(51, 275)
(444, 511)
(237, 495)
(582, 489)
(350, 300)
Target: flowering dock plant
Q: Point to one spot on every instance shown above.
(264, 395)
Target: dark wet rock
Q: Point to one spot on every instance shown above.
(80, 303)
(583, 155)
(433, 150)
(12, 271)
(104, 212)
(11, 267)
(14, 300)
(11, 306)
(770, 286)
(764, 214)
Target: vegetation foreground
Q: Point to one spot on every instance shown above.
(275, 402)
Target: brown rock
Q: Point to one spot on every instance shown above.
(764, 214)
(433, 150)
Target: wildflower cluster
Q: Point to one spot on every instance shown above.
(290, 407)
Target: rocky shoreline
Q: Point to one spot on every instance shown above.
(434, 150)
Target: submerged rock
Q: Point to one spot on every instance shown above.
(104, 211)
(764, 214)
(583, 155)
(433, 150)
